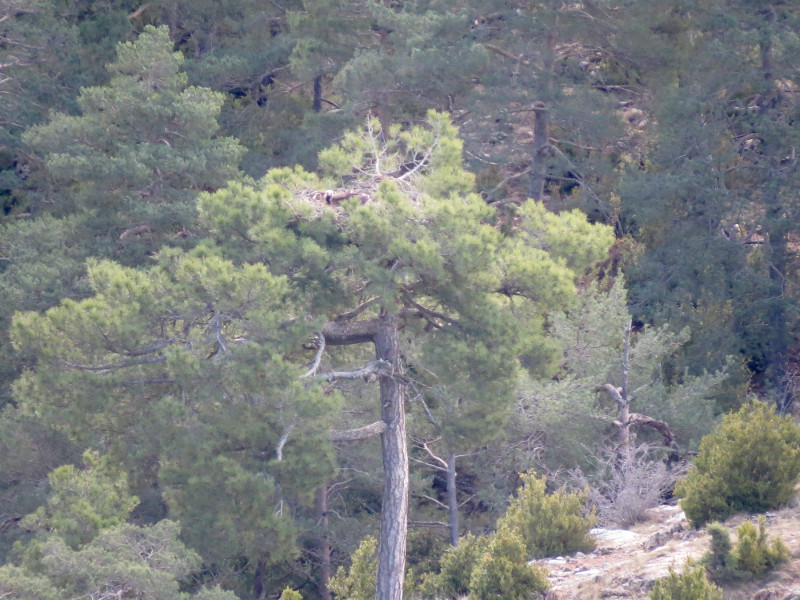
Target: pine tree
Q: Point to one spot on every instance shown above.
(390, 244)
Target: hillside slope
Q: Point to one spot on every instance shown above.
(627, 562)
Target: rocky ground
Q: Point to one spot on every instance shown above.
(627, 562)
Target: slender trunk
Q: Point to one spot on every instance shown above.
(317, 103)
(623, 414)
(777, 364)
(259, 577)
(394, 511)
(452, 503)
(324, 545)
(541, 123)
(541, 134)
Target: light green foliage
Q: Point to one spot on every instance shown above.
(502, 570)
(692, 584)
(571, 412)
(290, 594)
(115, 559)
(548, 524)
(753, 554)
(82, 502)
(16, 582)
(357, 582)
(83, 547)
(147, 561)
(750, 462)
(457, 565)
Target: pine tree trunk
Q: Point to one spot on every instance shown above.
(394, 511)
(324, 546)
(316, 106)
(541, 134)
(452, 503)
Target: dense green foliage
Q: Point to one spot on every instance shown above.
(548, 524)
(81, 545)
(692, 584)
(750, 462)
(201, 200)
(751, 557)
(457, 565)
(357, 582)
(503, 571)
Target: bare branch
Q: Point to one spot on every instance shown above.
(369, 372)
(429, 452)
(432, 313)
(428, 524)
(362, 433)
(615, 393)
(427, 464)
(357, 310)
(343, 334)
(317, 358)
(660, 426)
(115, 366)
(434, 500)
(282, 443)
(423, 161)
(502, 52)
(421, 400)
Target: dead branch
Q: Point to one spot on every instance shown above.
(317, 358)
(369, 372)
(361, 433)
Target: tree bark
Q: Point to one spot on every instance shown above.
(452, 501)
(541, 136)
(394, 510)
(383, 331)
(316, 105)
(324, 545)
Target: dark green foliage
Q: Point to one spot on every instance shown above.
(548, 524)
(141, 148)
(503, 571)
(692, 584)
(720, 560)
(750, 462)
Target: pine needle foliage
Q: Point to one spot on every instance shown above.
(692, 584)
(549, 524)
(750, 462)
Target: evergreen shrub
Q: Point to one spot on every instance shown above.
(457, 564)
(752, 556)
(750, 462)
(502, 571)
(692, 584)
(549, 524)
(358, 582)
(290, 594)
(720, 560)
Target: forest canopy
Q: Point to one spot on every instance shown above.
(282, 278)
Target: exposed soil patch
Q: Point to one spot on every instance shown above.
(627, 562)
